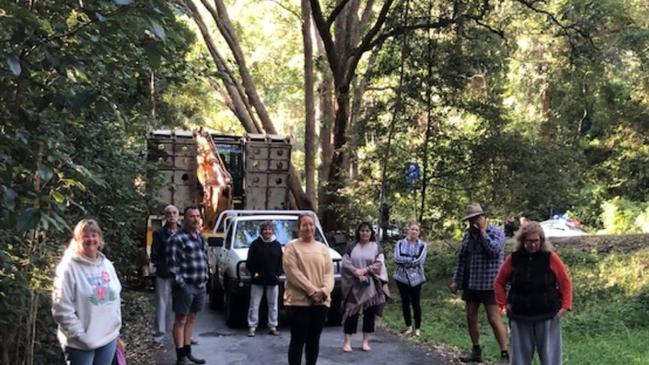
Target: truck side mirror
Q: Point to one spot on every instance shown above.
(215, 241)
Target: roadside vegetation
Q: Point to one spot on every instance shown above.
(530, 107)
(609, 323)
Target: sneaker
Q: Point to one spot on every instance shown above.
(158, 343)
(251, 332)
(475, 356)
(407, 332)
(273, 331)
(417, 333)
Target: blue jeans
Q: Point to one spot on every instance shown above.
(99, 356)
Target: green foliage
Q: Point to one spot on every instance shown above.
(75, 105)
(608, 323)
(545, 117)
(623, 216)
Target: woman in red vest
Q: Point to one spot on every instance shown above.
(540, 294)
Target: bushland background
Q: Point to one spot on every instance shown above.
(529, 107)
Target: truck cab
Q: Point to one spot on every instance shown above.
(229, 280)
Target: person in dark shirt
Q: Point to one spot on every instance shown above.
(510, 225)
(162, 282)
(265, 266)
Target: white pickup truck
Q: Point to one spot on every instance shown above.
(229, 280)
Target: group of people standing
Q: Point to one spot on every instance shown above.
(86, 302)
(531, 286)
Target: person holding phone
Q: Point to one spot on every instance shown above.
(480, 257)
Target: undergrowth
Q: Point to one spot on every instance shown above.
(609, 323)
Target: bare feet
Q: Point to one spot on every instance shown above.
(366, 347)
(347, 343)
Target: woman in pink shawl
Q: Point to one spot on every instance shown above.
(364, 285)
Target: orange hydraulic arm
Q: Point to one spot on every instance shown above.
(214, 177)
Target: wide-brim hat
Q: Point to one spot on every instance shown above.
(472, 210)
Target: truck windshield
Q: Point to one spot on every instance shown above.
(285, 230)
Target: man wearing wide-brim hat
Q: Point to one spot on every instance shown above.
(480, 257)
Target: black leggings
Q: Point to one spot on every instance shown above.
(410, 295)
(306, 327)
(351, 323)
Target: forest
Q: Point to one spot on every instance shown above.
(531, 107)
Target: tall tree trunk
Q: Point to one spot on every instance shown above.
(327, 115)
(309, 103)
(395, 115)
(343, 56)
(356, 108)
(237, 98)
(222, 20)
(152, 111)
(424, 160)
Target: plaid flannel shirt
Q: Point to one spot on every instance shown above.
(483, 257)
(187, 259)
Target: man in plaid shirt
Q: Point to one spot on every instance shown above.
(187, 261)
(480, 258)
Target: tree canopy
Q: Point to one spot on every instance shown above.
(531, 107)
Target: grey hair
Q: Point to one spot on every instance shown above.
(530, 228)
(170, 207)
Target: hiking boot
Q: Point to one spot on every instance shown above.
(475, 356)
(504, 357)
(251, 332)
(182, 361)
(273, 331)
(195, 360)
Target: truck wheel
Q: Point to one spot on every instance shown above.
(234, 313)
(216, 297)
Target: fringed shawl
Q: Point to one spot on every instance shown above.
(357, 296)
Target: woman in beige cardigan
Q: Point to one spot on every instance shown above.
(309, 282)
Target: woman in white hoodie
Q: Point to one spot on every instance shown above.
(86, 299)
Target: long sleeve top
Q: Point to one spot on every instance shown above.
(409, 259)
(558, 268)
(187, 258)
(479, 260)
(159, 251)
(308, 268)
(264, 262)
(86, 302)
